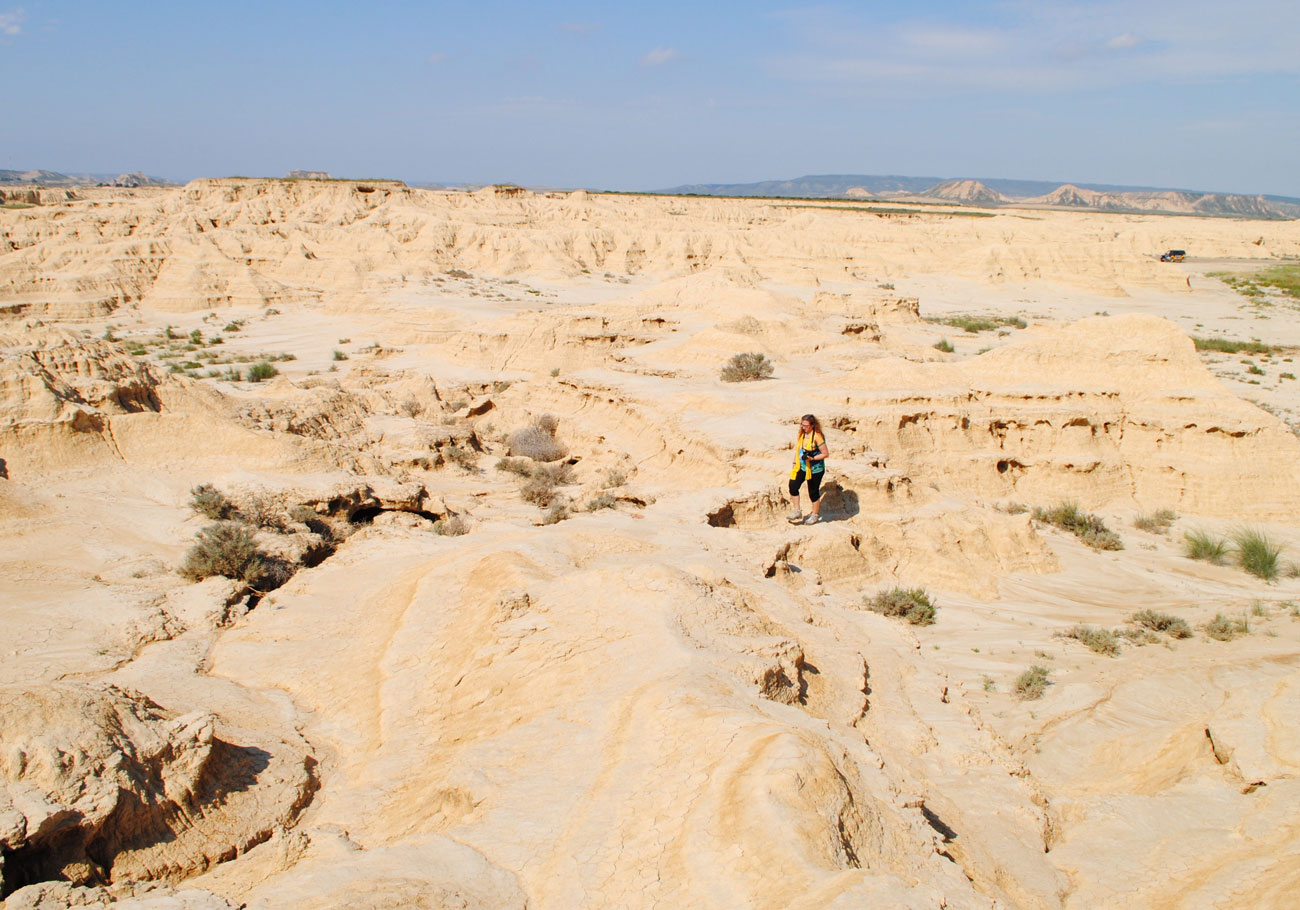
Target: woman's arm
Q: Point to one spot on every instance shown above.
(824, 452)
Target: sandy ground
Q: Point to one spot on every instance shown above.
(652, 689)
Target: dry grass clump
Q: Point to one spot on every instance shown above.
(1257, 554)
(228, 548)
(521, 466)
(603, 501)
(210, 502)
(745, 325)
(1032, 683)
(1157, 522)
(1222, 628)
(912, 604)
(462, 457)
(747, 368)
(615, 479)
(451, 527)
(540, 489)
(556, 513)
(1205, 546)
(1088, 528)
(1173, 626)
(537, 440)
(1094, 638)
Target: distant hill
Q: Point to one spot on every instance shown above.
(1001, 191)
(54, 178)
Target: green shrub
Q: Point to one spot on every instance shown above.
(1101, 641)
(1157, 522)
(1032, 683)
(261, 370)
(1205, 546)
(228, 548)
(912, 604)
(747, 368)
(1257, 554)
(1173, 626)
(1221, 628)
(973, 324)
(209, 502)
(196, 337)
(1088, 528)
(944, 345)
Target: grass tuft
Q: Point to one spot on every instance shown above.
(1205, 546)
(1032, 683)
(1088, 528)
(1221, 628)
(944, 345)
(1098, 640)
(1257, 554)
(1157, 522)
(261, 371)
(1173, 626)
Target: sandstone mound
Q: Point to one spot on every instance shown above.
(101, 784)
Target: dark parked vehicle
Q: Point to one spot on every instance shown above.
(1173, 256)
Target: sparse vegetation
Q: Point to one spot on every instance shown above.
(1094, 638)
(1173, 626)
(912, 604)
(1205, 546)
(746, 325)
(974, 324)
(208, 501)
(1087, 527)
(1222, 628)
(1254, 370)
(1156, 522)
(1228, 346)
(748, 367)
(410, 407)
(1257, 554)
(1031, 684)
(615, 479)
(339, 355)
(261, 371)
(557, 512)
(943, 344)
(538, 440)
(603, 501)
(233, 326)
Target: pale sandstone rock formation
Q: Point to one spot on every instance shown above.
(675, 696)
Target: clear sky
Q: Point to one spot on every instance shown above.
(1201, 94)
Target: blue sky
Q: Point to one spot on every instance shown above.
(1196, 94)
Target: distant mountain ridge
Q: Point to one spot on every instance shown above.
(54, 178)
(999, 191)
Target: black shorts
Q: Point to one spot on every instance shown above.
(814, 484)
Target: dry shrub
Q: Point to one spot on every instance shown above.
(912, 604)
(462, 457)
(1157, 522)
(1173, 626)
(454, 526)
(747, 368)
(208, 501)
(558, 511)
(228, 548)
(521, 466)
(537, 440)
(1221, 628)
(1088, 528)
(603, 501)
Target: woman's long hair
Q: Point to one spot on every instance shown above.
(816, 424)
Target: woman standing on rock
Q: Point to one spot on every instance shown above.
(809, 464)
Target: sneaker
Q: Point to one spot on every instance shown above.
(794, 517)
(812, 519)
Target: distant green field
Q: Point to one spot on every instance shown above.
(1283, 278)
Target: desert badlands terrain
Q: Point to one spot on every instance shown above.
(514, 618)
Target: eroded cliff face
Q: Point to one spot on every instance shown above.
(590, 664)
